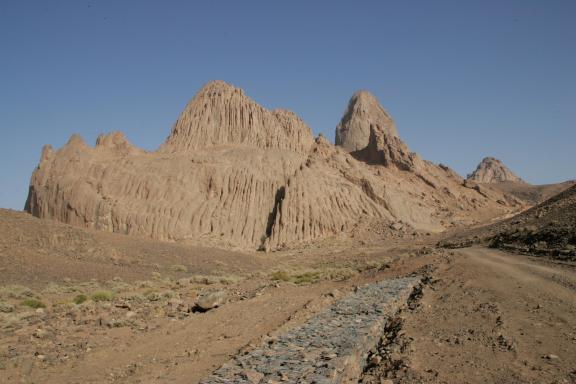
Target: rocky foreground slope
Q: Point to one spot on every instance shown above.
(548, 228)
(233, 174)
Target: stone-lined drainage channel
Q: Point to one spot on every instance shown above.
(331, 347)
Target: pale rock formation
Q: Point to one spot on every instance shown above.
(491, 170)
(368, 132)
(222, 114)
(233, 174)
(364, 113)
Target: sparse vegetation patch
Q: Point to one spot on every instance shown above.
(102, 296)
(33, 303)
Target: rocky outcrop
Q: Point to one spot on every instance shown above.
(546, 229)
(222, 114)
(491, 170)
(363, 115)
(368, 132)
(233, 174)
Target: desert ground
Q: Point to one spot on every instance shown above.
(483, 315)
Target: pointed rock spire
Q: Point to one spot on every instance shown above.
(369, 133)
(364, 110)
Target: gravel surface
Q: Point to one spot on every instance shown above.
(332, 347)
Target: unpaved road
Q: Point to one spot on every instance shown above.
(493, 317)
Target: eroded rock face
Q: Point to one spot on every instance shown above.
(368, 132)
(223, 114)
(233, 174)
(491, 170)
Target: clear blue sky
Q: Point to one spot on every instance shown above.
(463, 79)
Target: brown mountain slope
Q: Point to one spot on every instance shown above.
(548, 228)
(233, 174)
(532, 194)
(36, 252)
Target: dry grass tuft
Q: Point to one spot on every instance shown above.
(33, 303)
(102, 296)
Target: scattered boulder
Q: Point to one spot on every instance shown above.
(252, 376)
(6, 307)
(210, 300)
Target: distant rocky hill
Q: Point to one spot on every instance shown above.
(491, 170)
(234, 174)
(532, 194)
(548, 228)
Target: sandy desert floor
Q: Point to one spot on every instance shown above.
(484, 316)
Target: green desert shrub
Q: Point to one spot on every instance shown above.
(152, 296)
(280, 276)
(307, 278)
(33, 303)
(179, 268)
(16, 292)
(102, 296)
(79, 299)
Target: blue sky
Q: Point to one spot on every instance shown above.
(463, 79)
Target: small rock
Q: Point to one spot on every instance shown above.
(329, 356)
(6, 308)
(175, 303)
(123, 304)
(252, 376)
(211, 300)
(395, 356)
(40, 333)
(335, 293)
(552, 357)
(153, 296)
(375, 359)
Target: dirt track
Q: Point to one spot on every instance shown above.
(495, 317)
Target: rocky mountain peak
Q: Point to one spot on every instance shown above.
(222, 114)
(363, 111)
(492, 170)
(368, 132)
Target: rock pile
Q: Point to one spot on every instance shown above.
(546, 229)
(332, 347)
